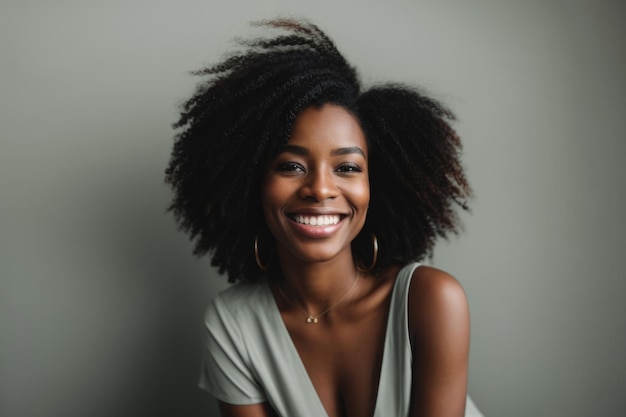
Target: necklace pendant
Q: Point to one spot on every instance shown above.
(311, 320)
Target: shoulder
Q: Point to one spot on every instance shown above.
(242, 292)
(238, 301)
(437, 304)
(429, 282)
(236, 317)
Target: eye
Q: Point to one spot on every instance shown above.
(349, 168)
(289, 167)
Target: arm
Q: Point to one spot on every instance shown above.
(252, 410)
(439, 330)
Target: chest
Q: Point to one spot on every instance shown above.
(343, 359)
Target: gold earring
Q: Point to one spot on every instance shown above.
(256, 254)
(375, 257)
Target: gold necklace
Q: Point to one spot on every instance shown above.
(312, 318)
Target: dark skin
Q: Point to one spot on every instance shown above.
(324, 171)
(439, 329)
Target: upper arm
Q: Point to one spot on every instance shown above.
(439, 329)
(252, 410)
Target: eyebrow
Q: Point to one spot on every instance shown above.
(300, 150)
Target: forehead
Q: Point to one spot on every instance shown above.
(329, 126)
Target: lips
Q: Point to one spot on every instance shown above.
(316, 225)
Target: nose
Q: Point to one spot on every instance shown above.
(319, 185)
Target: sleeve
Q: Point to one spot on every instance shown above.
(226, 371)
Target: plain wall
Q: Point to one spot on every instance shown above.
(100, 297)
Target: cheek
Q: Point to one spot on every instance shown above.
(358, 195)
(362, 193)
(270, 190)
(272, 199)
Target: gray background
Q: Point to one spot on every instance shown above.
(100, 296)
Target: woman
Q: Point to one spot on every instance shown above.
(318, 198)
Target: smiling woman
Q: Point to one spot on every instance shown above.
(320, 199)
(315, 193)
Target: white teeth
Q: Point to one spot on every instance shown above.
(317, 220)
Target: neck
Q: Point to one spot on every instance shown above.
(316, 286)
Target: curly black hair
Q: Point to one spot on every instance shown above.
(244, 110)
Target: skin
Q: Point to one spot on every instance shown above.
(323, 171)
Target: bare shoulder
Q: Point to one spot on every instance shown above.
(439, 330)
(436, 301)
(434, 286)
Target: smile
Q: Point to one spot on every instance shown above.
(322, 220)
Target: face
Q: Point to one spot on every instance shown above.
(315, 192)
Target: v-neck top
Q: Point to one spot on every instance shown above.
(250, 357)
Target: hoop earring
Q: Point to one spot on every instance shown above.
(256, 255)
(374, 258)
